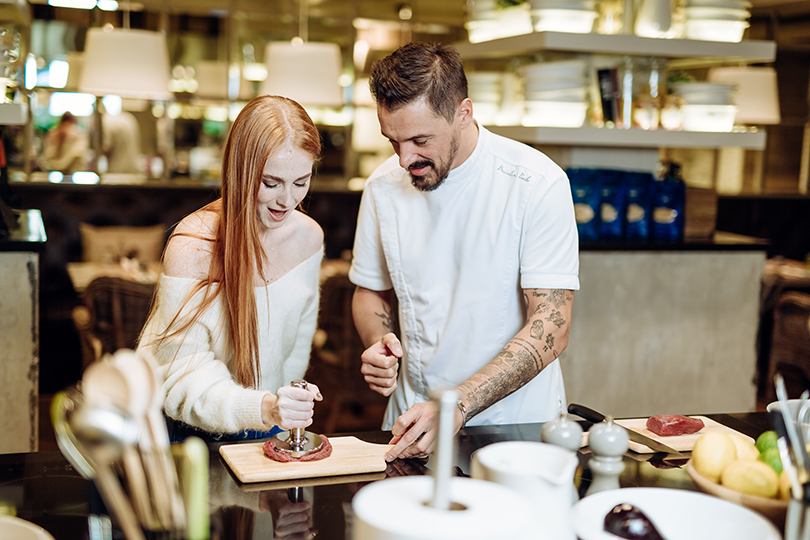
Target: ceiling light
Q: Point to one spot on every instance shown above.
(75, 4)
(127, 63)
(307, 73)
(107, 5)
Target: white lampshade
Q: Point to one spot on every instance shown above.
(757, 97)
(127, 63)
(305, 72)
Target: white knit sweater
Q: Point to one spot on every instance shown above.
(199, 379)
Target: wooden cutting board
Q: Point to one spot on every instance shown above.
(350, 455)
(681, 443)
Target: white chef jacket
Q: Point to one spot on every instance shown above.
(458, 258)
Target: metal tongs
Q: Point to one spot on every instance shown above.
(791, 444)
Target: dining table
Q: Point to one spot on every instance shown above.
(43, 488)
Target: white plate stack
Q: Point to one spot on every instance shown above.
(555, 93)
(706, 106)
(485, 90)
(716, 20)
(575, 16)
(486, 21)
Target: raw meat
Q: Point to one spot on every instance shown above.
(275, 454)
(668, 425)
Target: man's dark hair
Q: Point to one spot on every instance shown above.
(420, 70)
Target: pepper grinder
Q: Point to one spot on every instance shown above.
(608, 441)
(562, 432)
(296, 441)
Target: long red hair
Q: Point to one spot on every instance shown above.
(264, 126)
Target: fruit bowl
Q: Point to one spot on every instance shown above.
(773, 509)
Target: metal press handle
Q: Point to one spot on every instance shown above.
(297, 437)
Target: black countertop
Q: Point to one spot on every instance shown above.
(44, 489)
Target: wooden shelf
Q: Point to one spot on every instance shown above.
(686, 51)
(631, 138)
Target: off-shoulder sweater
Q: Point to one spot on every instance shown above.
(201, 389)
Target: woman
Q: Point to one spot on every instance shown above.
(66, 147)
(236, 306)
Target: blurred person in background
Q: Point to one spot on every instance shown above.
(66, 147)
(236, 306)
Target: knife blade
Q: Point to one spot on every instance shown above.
(594, 416)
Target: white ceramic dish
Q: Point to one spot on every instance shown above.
(721, 14)
(14, 528)
(708, 98)
(714, 118)
(563, 68)
(563, 20)
(537, 85)
(555, 114)
(677, 514)
(713, 30)
(728, 4)
(567, 94)
(683, 88)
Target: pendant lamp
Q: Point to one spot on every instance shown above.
(125, 62)
(303, 71)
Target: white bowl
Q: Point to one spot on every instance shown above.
(715, 13)
(562, 4)
(684, 88)
(678, 514)
(708, 98)
(555, 113)
(715, 118)
(553, 84)
(731, 4)
(565, 94)
(14, 528)
(713, 30)
(563, 20)
(564, 69)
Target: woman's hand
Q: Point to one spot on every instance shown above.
(291, 407)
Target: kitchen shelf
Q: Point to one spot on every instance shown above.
(684, 52)
(635, 138)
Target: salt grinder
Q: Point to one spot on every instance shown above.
(296, 441)
(608, 441)
(562, 432)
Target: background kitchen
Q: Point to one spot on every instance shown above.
(684, 312)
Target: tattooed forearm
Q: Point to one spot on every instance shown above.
(529, 349)
(385, 318)
(536, 331)
(516, 365)
(556, 318)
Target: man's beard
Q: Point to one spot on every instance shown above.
(434, 177)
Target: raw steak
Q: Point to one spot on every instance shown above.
(275, 454)
(667, 425)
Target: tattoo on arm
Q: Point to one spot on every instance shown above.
(537, 330)
(385, 318)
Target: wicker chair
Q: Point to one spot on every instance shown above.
(111, 316)
(790, 343)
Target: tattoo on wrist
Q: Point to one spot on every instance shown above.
(556, 318)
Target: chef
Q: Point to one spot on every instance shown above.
(476, 236)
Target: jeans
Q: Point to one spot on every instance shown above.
(180, 431)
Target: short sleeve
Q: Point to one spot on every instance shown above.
(369, 269)
(549, 254)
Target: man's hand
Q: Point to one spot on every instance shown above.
(381, 364)
(416, 431)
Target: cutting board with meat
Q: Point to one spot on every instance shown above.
(681, 443)
(350, 455)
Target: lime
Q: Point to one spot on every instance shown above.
(771, 457)
(766, 440)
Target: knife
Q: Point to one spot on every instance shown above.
(593, 416)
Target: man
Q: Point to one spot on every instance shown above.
(476, 235)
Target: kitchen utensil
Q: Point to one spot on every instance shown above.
(787, 454)
(104, 384)
(445, 449)
(608, 442)
(350, 455)
(102, 433)
(297, 442)
(63, 403)
(678, 514)
(594, 416)
(794, 441)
